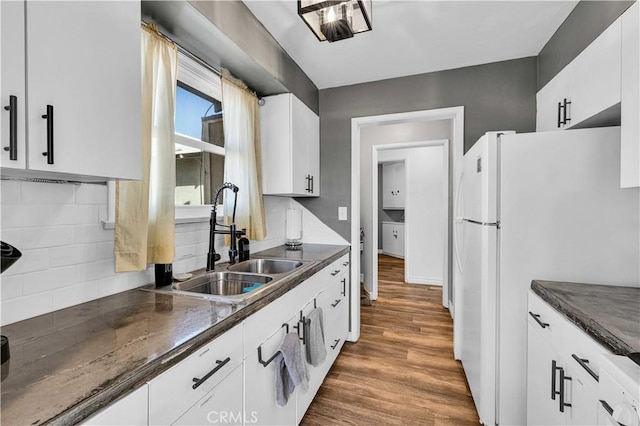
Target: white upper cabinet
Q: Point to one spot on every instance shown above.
(594, 76)
(393, 186)
(630, 136)
(290, 139)
(83, 82)
(586, 92)
(12, 85)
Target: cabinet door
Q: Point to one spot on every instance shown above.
(299, 147)
(128, 411)
(548, 97)
(388, 186)
(222, 405)
(12, 84)
(595, 76)
(630, 132)
(313, 151)
(400, 185)
(84, 60)
(260, 381)
(582, 394)
(399, 241)
(541, 381)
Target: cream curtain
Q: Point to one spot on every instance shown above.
(145, 210)
(242, 157)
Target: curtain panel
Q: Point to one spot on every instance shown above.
(145, 209)
(242, 157)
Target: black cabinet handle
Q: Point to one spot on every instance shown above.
(344, 287)
(334, 304)
(537, 318)
(565, 119)
(606, 407)
(336, 272)
(221, 364)
(554, 368)
(335, 344)
(13, 128)
(583, 363)
(562, 403)
(312, 184)
(49, 117)
(559, 114)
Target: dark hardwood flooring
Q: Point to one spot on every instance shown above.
(401, 371)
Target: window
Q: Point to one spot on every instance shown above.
(199, 133)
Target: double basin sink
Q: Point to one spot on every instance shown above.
(238, 283)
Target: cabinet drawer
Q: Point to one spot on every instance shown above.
(172, 393)
(544, 318)
(222, 405)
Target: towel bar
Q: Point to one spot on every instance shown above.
(267, 362)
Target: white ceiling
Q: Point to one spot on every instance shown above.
(414, 37)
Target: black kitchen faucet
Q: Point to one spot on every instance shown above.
(212, 256)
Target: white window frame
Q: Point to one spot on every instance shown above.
(194, 74)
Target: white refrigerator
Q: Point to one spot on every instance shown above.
(533, 206)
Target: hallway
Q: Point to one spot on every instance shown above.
(402, 370)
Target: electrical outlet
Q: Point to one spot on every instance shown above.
(342, 213)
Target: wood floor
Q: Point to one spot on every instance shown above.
(401, 371)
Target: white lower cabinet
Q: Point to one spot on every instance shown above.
(393, 239)
(562, 369)
(222, 405)
(175, 391)
(130, 410)
(232, 379)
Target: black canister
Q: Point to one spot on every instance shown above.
(243, 249)
(164, 274)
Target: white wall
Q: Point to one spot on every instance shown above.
(380, 135)
(68, 257)
(424, 223)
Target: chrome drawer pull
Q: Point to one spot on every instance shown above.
(583, 363)
(221, 364)
(537, 318)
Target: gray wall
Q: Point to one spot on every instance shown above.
(497, 96)
(583, 25)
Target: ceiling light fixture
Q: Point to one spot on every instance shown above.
(336, 20)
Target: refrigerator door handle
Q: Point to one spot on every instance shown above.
(496, 224)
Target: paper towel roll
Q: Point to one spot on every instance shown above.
(293, 229)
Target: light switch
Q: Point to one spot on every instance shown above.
(342, 213)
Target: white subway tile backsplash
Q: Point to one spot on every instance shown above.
(184, 252)
(186, 238)
(11, 287)
(48, 236)
(48, 193)
(20, 308)
(72, 295)
(23, 216)
(72, 255)
(10, 192)
(51, 279)
(31, 261)
(74, 214)
(93, 234)
(91, 194)
(105, 250)
(11, 236)
(95, 270)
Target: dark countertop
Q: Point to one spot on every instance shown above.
(68, 364)
(609, 314)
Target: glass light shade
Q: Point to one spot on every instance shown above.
(336, 20)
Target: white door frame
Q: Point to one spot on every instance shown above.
(444, 143)
(457, 149)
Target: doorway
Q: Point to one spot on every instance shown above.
(454, 159)
(420, 236)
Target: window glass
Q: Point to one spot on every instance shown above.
(199, 166)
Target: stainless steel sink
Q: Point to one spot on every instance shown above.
(223, 283)
(266, 266)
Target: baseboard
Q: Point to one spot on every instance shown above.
(424, 281)
(380, 251)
